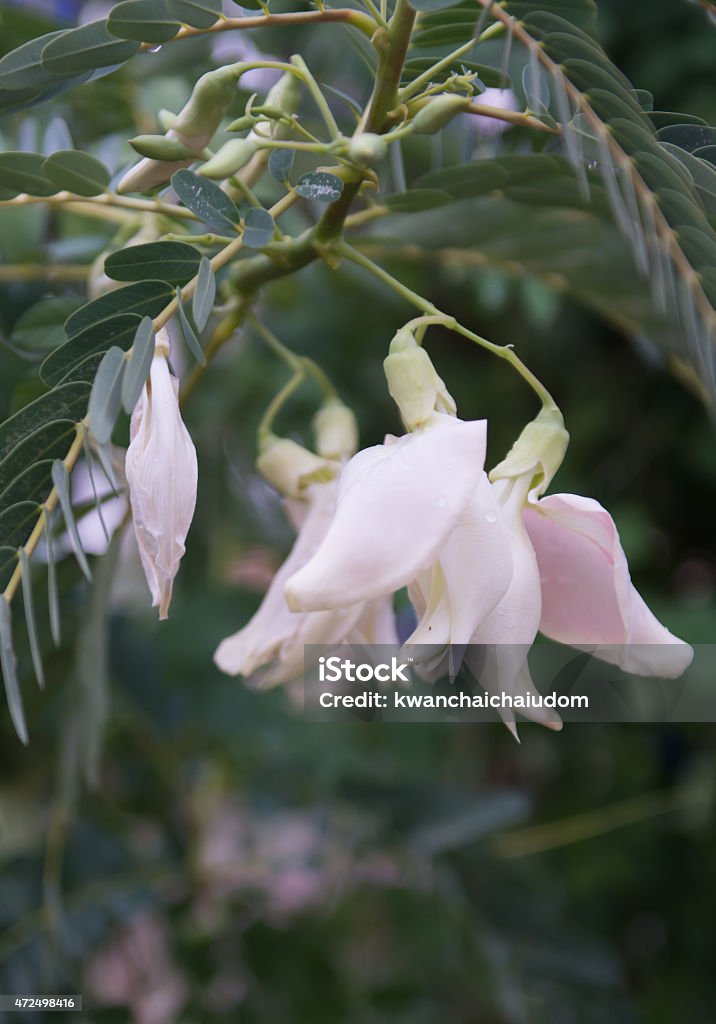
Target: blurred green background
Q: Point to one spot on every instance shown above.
(234, 862)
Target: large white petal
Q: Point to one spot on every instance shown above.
(396, 506)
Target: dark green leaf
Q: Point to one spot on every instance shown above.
(76, 172)
(22, 68)
(416, 199)
(146, 298)
(23, 172)
(192, 342)
(9, 671)
(321, 186)
(466, 180)
(50, 441)
(688, 136)
(84, 49)
(147, 21)
(68, 402)
(175, 262)
(106, 397)
(204, 294)
(71, 360)
(207, 201)
(140, 362)
(40, 328)
(258, 228)
(31, 484)
(664, 118)
(197, 13)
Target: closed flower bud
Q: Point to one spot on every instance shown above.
(161, 147)
(437, 113)
(336, 430)
(193, 128)
(161, 470)
(367, 148)
(290, 467)
(232, 156)
(539, 451)
(414, 383)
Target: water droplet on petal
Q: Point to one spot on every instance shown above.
(441, 502)
(490, 516)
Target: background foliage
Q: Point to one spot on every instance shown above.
(235, 862)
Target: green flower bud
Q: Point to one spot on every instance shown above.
(290, 467)
(367, 148)
(413, 382)
(229, 159)
(336, 430)
(539, 451)
(437, 113)
(241, 124)
(285, 95)
(161, 147)
(166, 119)
(208, 102)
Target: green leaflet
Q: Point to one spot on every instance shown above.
(73, 360)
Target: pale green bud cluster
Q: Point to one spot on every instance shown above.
(438, 112)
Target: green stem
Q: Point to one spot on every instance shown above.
(428, 76)
(505, 352)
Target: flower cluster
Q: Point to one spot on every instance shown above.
(488, 560)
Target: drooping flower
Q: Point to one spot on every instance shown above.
(270, 647)
(587, 598)
(478, 556)
(416, 511)
(161, 470)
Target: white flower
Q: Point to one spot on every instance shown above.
(161, 470)
(270, 647)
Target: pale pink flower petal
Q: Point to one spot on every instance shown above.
(588, 599)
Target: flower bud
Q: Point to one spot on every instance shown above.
(193, 128)
(367, 148)
(336, 430)
(437, 113)
(209, 101)
(290, 467)
(229, 159)
(413, 382)
(161, 147)
(538, 451)
(285, 95)
(161, 470)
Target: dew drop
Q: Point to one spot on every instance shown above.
(490, 517)
(155, 49)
